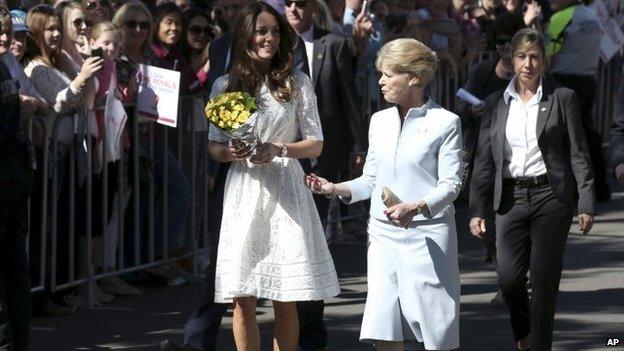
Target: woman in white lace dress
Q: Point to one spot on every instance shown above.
(271, 243)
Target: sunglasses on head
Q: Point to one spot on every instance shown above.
(197, 30)
(298, 4)
(90, 5)
(132, 24)
(79, 21)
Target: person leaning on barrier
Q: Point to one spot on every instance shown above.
(17, 162)
(532, 165)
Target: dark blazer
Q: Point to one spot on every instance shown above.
(561, 140)
(218, 56)
(219, 52)
(344, 129)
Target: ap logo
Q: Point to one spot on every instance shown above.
(613, 342)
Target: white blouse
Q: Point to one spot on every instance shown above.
(523, 157)
(420, 161)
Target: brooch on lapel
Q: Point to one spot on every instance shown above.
(543, 109)
(319, 57)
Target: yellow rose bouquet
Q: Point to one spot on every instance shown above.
(234, 114)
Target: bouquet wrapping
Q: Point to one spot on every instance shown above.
(234, 114)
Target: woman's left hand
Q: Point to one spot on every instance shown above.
(265, 153)
(403, 213)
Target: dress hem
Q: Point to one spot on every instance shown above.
(322, 294)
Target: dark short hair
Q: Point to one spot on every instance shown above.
(506, 25)
(163, 10)
(528, 36)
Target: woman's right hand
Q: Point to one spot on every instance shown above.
(90, 67)
(319, 185)
(238, 150)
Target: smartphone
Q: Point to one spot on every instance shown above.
(97, 52)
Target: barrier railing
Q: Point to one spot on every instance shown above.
(72, 201)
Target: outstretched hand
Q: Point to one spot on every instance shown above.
(319, 185)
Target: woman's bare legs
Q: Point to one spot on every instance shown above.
(286, 333)
(245, 325)
(389, 345)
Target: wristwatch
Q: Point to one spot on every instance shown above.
(284, 150)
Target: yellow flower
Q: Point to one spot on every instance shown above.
(228, 111)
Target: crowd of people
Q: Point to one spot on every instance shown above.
(346, 103)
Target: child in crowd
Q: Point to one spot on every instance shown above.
(110, 121)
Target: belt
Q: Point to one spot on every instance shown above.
(527, 182)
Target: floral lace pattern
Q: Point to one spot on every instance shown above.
(272, 244)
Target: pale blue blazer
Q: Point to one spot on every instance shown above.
(422, 161)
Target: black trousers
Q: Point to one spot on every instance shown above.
(531, 228)
(14, 276)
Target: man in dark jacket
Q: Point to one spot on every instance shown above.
(16, 160)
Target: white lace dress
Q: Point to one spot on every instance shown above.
(271, 244)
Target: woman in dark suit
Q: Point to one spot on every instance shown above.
(532, 145)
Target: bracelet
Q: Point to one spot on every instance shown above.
(333, 193)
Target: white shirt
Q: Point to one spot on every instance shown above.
(523, 157)
(308, 40)
(419, 161)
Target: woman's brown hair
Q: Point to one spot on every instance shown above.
(247, 74)
(37, 21)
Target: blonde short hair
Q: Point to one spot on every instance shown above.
(102, 27)
(124, 13)
(406, 55)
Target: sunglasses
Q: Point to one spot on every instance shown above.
(132, 24)
(90, 5)
(298, 4)
(197, 30)
(78, 22)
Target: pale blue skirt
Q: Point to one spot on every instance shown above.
(413, 284)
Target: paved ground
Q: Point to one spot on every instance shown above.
(590, 306)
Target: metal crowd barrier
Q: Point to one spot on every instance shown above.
(60, 172)
(445, 83)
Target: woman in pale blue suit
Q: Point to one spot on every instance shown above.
(414, 150)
